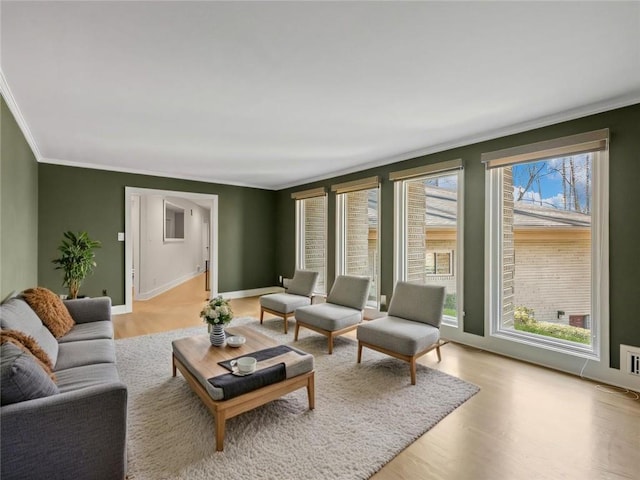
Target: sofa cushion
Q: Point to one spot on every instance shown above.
(49, 307)
(77, 354)
(283, 302)
(328, 316)
(22, 378)
(89, 331)
(85, 376)
(16, 314)
(398, 335)
(29, 345)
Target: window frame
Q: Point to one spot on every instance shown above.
(341, 232)
(597, 350)
(400, 235)
(300, 236)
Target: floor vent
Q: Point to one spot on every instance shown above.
(632, 355)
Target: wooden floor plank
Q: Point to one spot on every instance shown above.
(527, 422)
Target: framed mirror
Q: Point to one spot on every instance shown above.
(173, 222)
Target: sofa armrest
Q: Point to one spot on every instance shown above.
(84, 310)
(78, 434)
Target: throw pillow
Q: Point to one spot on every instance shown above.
(21, 376)
(51, 310)
(28, 345)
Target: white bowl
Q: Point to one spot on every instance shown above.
(236, 341)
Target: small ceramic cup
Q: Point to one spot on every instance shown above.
(247, 364)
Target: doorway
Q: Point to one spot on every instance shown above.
(138, 228)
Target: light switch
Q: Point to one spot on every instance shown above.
(121, 236)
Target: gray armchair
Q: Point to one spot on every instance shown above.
(341, 313)
(297, 295)
(411, 327)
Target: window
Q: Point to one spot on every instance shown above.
(439, 262)
(547, 208)
(428, 230)
(357, 249)
(311, 233)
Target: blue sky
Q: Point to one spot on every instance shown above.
(548, 191)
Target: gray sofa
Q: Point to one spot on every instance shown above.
(80, 430)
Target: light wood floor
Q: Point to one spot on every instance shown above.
(527, 422)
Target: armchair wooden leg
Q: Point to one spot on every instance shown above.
(412, 366)
(330, 344)
(438, 353)
(261, 315)
(359, 352)
(286, 323)
(295, 336)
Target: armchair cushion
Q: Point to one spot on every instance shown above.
(420, 303)
(283, 302)
(303, 283)
(350, 291)
(22, 377)
(328, 316)
(398, 335)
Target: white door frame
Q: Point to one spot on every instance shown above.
(128, 246)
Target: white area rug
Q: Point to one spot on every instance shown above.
(365, 415)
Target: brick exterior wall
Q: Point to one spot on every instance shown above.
(357, 231)
(315, 231)
(416, 211)
(552, 275)
(508, 250)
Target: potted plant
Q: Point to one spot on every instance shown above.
(77, 259)
(217, 313)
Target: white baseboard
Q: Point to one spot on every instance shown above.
(250, 293)
(122, 309)
(142, 296)
(118, 309)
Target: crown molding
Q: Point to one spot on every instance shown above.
(17, 114)
(152, 173)
(565, 116)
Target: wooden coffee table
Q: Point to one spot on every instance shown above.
(198, 361)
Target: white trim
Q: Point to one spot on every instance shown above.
(119, 310)
(586, 368)
(17, 114)
(128, 250)
(254, 292)
(341, 233)
(300, 238)
(153, 173)
(399, 235)
(557, 354)
(572, 114)
(143, 296)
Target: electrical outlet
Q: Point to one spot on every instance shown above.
(631, 358)
(104, 292)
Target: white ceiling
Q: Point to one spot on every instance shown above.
(274, 94)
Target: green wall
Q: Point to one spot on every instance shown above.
(18, 208)
(72, 198)
(624, 125)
